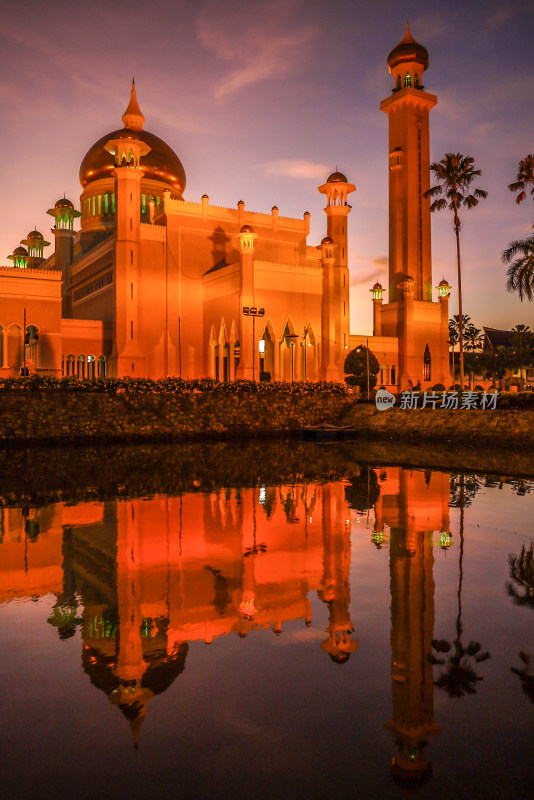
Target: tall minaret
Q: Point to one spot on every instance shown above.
(408, 108)
(128, 148)
(337, 210)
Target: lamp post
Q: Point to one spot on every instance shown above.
(252, 311)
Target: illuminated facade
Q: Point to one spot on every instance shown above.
(153, 285)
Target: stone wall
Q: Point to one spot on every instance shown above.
(78, 416)
(504, 427)
(93, 417)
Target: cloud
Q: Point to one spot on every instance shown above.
(262, 41)
(297, 168)
(370, 271)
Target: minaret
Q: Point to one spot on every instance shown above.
(64, 216)
(336, 189)
(408, 108)
(128, 148)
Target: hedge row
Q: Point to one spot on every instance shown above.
(139, 386)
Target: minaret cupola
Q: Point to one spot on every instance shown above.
(19, 257)
(64, 214)
(407, 62)
(35, 243)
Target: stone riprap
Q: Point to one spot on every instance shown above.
(79, 416)
(499, 427)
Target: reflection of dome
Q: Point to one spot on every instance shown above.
(408, 50)
(64, 203)
(336, 177)
(160, 164)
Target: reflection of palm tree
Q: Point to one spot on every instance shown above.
(459, 676)
(522, 575)
(526, 675)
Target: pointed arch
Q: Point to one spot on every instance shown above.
(234, 353)
(222, 355)
(308, 354)
(267, 358)
(287, 351)
(212, 342)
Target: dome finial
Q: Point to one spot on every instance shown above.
(133, 117)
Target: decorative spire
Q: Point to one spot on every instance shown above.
(133, 117)
(408, 36)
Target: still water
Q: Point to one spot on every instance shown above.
(367, 635)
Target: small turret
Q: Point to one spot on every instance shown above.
(19, 257)
(35, 243)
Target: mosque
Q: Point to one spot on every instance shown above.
(155, 285)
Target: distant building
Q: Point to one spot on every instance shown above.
(154, 285)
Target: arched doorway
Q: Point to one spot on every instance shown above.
(308, 355)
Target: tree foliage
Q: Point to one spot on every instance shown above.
(356, 368)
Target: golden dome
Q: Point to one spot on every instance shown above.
(443, 283)
(20, 251)
(160, 164)
(377, 287)
(246, 229)
(35, 235)
(64, 203)
(408, 50)
(327, 240)
(336, 177)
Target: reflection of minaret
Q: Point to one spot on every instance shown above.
(336, 576)
(126, 651)
(413, 518)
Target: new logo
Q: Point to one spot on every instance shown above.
(384, 400)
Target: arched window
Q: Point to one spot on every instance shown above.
(14, 345)
(102, 367)
(81, 367)
(91, 367)
(393, 375)
(1, 346)
(70, 365)
(31, 345)
(427, 362)
(408, 79)
(416, 81)
(399, 82)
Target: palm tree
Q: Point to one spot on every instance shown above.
(459, 676)
(520, 256)
(455, 174)
(525, 178)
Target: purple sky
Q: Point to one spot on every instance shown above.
(261, 100)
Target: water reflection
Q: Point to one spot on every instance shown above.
(141, 580)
